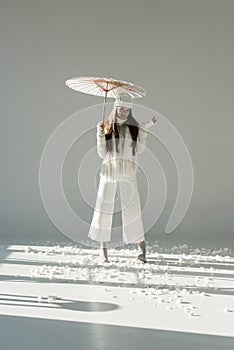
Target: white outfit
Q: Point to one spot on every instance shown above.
(119, 168)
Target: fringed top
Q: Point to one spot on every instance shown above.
(123, 164)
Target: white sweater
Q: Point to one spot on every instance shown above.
(122, 164)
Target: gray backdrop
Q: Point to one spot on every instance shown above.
(182, 52)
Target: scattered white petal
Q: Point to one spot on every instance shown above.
(228, 310)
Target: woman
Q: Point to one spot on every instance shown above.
(119, 140)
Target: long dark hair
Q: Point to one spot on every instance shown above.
(111, 127)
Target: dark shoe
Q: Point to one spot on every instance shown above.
(103, 260)
(142, 258)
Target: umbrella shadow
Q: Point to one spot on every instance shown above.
(61, 303)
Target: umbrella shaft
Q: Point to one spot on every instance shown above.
(104, 106)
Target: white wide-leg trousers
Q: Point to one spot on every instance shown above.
(132, 225)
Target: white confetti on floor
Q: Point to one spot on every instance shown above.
(182, 289)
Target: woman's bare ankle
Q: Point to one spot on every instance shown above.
(104, 252)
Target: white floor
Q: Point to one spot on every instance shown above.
(174, 300)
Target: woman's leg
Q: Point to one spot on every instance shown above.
(133, 230)
(100, 227)
(142, 256)
(104, 251)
